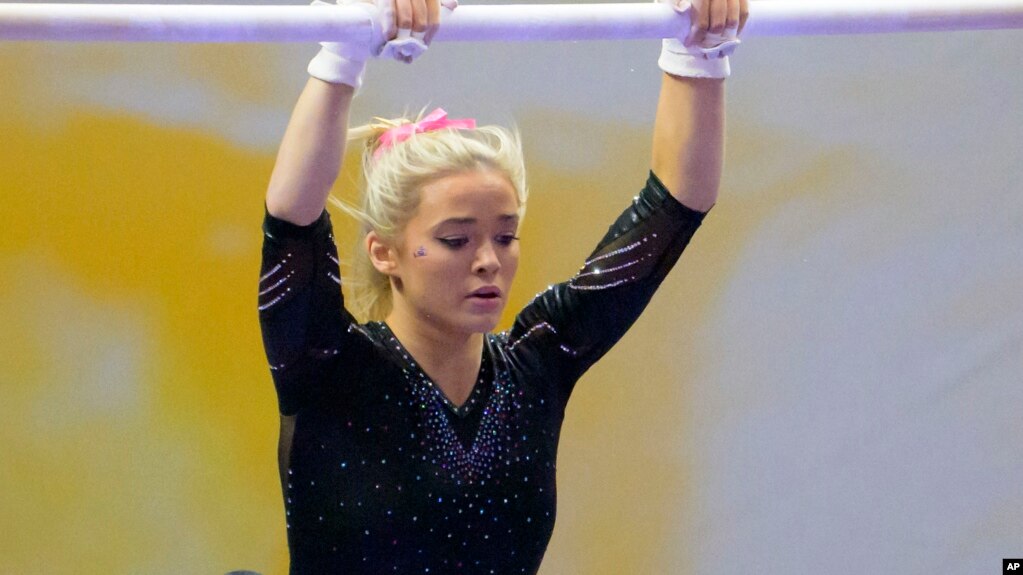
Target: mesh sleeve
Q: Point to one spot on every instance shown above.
(301, 309)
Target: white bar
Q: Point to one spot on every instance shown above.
(808, 17)
(533, 22)
(179, 23)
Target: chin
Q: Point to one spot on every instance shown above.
(482, 323)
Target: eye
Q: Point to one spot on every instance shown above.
(454, 242)
(506, 239)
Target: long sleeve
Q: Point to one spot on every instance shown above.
(571, 325)
(301, 310)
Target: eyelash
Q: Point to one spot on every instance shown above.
(457, 242)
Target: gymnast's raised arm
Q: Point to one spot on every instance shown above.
(309, 157)
(301, 310)
(688, 140)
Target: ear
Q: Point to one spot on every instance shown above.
(382, 254)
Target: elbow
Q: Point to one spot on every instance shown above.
(700, 202)
(297, 202)
(294, 211)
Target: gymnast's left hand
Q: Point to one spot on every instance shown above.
(712, 20)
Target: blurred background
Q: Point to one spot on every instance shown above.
(829, 381)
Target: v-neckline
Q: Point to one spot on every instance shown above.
(406, 358)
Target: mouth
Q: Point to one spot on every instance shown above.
(486, 293)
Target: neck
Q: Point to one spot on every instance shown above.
(450, 358)
(425, 340)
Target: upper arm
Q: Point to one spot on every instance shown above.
(688, 141)
(309, 158)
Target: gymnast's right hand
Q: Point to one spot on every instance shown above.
(401, 29)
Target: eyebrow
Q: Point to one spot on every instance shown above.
(465, 221)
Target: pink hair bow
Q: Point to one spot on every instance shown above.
(435, 120)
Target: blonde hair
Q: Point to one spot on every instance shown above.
(391, 186)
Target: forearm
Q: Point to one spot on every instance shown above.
(688, 146)
(309, 158)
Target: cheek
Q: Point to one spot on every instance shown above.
(414, 245)
(511, 262)
(439, 266)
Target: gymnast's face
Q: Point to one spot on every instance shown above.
(454, 263)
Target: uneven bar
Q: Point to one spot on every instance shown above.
(532, 22)
(180, 23)
(812, 17)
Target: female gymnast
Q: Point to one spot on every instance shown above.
(420, 442)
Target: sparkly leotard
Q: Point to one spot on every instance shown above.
(383, 473)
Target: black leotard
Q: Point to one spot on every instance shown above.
(384, 473)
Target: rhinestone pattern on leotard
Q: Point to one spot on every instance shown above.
(615, 268)
(271, 294)
(440, 443)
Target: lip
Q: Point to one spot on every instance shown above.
(486, 293)
(485, 300)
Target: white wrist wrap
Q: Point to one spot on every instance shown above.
(708, 59)
(345, 62)
(332, 67)
(678, 60)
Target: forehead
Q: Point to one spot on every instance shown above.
(480, 195)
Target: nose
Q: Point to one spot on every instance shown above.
(486, 261)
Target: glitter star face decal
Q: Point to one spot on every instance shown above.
(421, 252)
